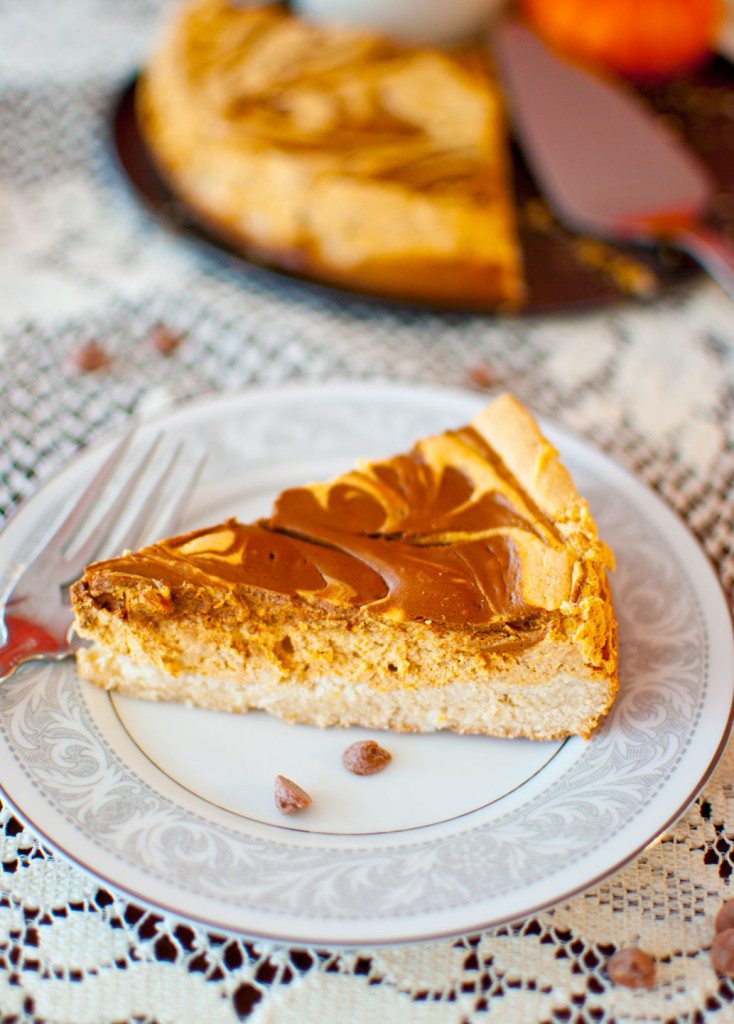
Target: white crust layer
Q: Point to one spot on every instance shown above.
(560, 706)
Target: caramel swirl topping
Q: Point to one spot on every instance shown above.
(346, 96)
(443, 534)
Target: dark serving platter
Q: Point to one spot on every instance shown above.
(564, 272)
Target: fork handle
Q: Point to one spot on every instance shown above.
(712, 250)
(24, 640)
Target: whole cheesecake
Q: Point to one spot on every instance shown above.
(460, 586)
(336, 153)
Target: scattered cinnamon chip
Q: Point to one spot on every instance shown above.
(289, 797)
(632, 967)
(366, 757)
(90, 357)
(722, 952)
(482, 377)
(725, 916)
(164, 340)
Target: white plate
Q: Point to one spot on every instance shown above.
(173, 805)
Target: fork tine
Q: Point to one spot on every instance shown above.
(183, 477)
(170, 514)
(64, 531)
(85, 552)
(145, 500)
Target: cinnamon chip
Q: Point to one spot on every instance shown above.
(90, 357)
(289, 797)
(722, 952)
(164, 340)
(633, 968)
(725, 916)
(481, 377)
(366, 757)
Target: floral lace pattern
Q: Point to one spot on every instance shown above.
(654, 386)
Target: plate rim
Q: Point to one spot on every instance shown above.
(420, 392)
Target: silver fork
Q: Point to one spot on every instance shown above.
(35, 615)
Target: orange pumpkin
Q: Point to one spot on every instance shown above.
(643, 39)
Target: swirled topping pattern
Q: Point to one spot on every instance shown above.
(443, 534)
(359, 102)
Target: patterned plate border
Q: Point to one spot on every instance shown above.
(393, 890)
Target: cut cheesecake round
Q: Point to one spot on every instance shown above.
(337, 154)
(459, 586)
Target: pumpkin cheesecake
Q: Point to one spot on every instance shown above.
(459, 586)
(336, 153)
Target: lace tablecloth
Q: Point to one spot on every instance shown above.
(653, 385)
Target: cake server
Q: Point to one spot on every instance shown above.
(604, 163)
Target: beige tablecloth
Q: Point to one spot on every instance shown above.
(653, 385)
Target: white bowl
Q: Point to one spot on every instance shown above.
(416, 21)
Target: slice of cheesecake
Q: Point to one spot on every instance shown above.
(460, 586)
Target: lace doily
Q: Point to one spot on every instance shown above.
(654, 386)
